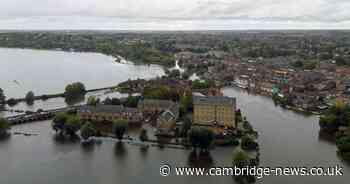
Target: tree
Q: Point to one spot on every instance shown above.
(30, 97)
(113, 101)
(66, 124)
(2, 97)
(186, 75)
(200, 84)
(328, 121)
(337, 115)
(74, 90)
(93, 101)
(87, 131)
(343, 145)
(119, 128)
(326, 56)
(247, 125)
(248, 143)
(161, 92)
(186, 104)
(131, 101)
(107, 101)
(186, 126)
(341, 61)
(72, 125)
(4, 127)
(238, 117)
(201, 137)
(310, 65)
(206, 138)
(174, 73)
(143, 135)
(240, 158)
(105, 48)
(58, 122)
(298, 64)
(12, 102)
(194, 137)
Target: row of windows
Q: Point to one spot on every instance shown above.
(210, 117)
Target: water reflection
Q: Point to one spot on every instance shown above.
(120, 149)
(74, 101)
(4, 139)
(144, 150)
(201, 159)
(340, 157)
(88, 148)
(326, 136)
(61, 139)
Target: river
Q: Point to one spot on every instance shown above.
(286, 139)
(289, 139)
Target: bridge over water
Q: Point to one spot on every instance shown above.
(37, 116)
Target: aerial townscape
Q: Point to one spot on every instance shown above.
(174, 91)
(197, 101)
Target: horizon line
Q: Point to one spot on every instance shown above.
(177, 30)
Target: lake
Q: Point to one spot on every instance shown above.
(48, 72)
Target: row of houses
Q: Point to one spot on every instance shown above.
(109, 113)
(212, 111)
(304, 89)
(166, 111)
(277, 76)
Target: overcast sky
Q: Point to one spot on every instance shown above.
(174, 14)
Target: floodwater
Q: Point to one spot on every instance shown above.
(48, 72)
(286, 138)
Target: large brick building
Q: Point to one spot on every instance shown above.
(214, 110)
(109, 113)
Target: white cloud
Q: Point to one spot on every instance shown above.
(173, 14)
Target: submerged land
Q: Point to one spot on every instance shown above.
(304, 71)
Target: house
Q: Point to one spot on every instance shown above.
(280, 76)
(214, 110)
(347, 87)
(109, 113)
(166, 111)
(152, 106)
(342, 72)
(166, 122)
(266, 87)
(306, 101)
(242, 81)
(325, 86)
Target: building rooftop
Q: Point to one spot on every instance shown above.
(347, 83)
(214, 100)
(152, 102)
(106, 109)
